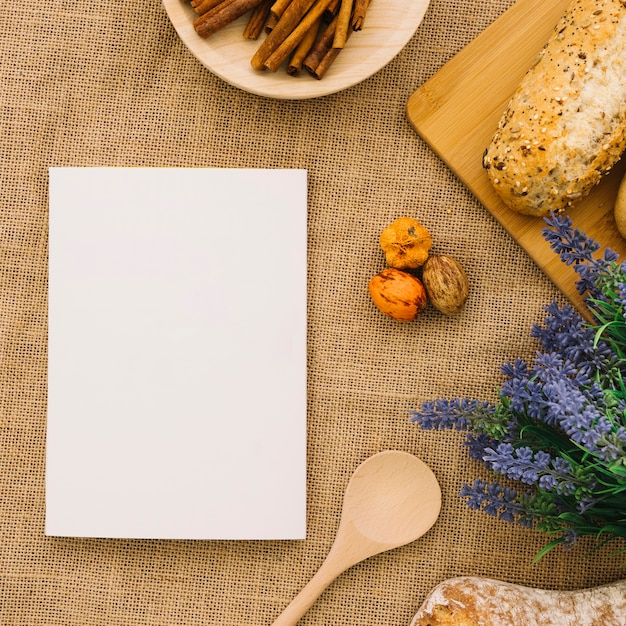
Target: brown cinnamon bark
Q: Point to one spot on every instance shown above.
(289, 44)
(203, 6)
(320, 47)
(323, 54)
(343, 23)
(295, 64)
(211, 14)
(222, 15)
(324, 65)
(279, 6)
(358, 15)
(258, 18)
(272, 20)
(286, 24)
(332, 10)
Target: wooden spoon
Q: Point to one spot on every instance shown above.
(392, 499)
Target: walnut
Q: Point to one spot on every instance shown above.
(446, 283)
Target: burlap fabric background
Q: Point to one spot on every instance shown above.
(110, 84)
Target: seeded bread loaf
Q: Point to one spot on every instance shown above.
(565, 125)
(475, 601)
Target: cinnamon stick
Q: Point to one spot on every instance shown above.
(222, 15)
(272, 20)
(323, 54)
(324, 65)
(332, 10)
(289, 44)
(320, 47)
(295, 64)
(343, 23)
(211, 13)
(358, 15)
(287, 22)
(279, 6)
(203, 6)
(257, 20)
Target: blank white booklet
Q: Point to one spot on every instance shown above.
(177, 353)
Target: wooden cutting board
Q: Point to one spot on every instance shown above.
(457, 111)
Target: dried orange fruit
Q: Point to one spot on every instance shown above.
(398, 294)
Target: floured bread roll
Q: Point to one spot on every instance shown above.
(565, 126)
(474, 601)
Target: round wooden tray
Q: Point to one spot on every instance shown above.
(389, 26)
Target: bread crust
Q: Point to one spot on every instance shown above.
(476, 601)
(565, 126)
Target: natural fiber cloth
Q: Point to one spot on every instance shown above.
(109, 83)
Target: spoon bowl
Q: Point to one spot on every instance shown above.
(392, 499)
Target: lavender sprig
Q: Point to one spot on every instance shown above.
(575, 248)
(558, 427)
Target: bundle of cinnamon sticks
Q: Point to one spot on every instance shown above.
(307, 34)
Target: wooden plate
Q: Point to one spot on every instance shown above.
(457, 111)
(389, 26)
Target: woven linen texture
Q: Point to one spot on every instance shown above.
(110, 84)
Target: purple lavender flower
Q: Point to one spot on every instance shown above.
(522, 391)
(559, 425)
(534, 468)
(564, 331)
(586, 503)
(571, 244)
(548, 482)
(459, 414)
(495, 500)
(516, 464)
(477, 444)
(620, 299)
(563, 401)
(576, 249)
(611, 445)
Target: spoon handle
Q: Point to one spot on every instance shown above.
(329, 570)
